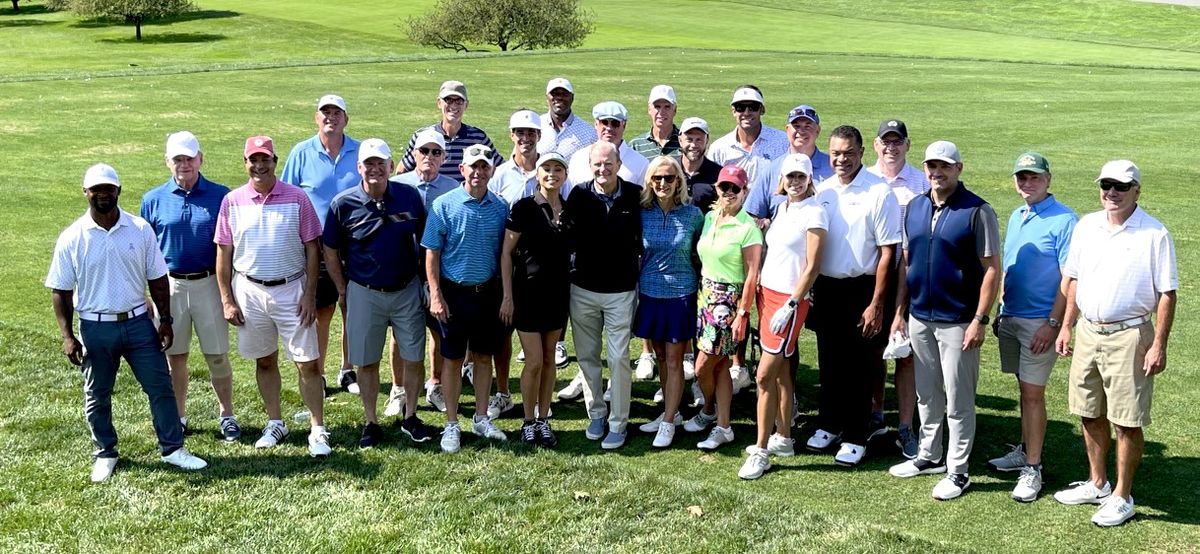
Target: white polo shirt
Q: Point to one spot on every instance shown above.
(633, 167)
(863, 216)
(1121, 270)
(771, 143)
(787, 243)
(107, 269)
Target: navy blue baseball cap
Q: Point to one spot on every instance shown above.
(804, 111)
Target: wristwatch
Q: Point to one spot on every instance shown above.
(1053, 323)
(166, 319)
(792, 303)
(982, 319)
(742, 312)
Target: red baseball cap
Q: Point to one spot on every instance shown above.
(733, 174)
(261, 144)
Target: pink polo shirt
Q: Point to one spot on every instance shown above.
(263, 230)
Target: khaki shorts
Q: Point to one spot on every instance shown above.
(1016, 334)
(1107, 379)
(197, 304)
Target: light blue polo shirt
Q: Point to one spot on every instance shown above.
(762, 199)
(1035, 248)
(468, 234)
(309, 167)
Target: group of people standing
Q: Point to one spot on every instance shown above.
(668, 237)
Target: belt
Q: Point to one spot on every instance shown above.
(397, 288)
(274, 282)
(477, 288)
(1117, 326)
(191, 276)
(94, 316)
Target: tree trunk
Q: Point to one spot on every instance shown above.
(137, 22)
(16, 8)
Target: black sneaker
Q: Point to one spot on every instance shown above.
(415, 429)
(529, 433)
(348, 380)
(372, 435)
(545, 434)
(230, 430)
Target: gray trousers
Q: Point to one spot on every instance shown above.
(946, 379)
(136, 340)
(594, 313)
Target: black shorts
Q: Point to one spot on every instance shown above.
(474, 319)
(541, 305)
(326, 291)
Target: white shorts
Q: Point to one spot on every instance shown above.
(271, 314)
(198, 304)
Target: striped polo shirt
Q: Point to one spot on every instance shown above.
(467, 233)
(455, 145)
(263, 230)
(184, 222)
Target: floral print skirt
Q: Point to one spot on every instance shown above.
(717, 307)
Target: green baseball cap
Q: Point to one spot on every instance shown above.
(1031, 161)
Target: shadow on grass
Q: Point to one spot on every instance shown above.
(165, 38)
(102, 22)
(265, 464)
(24, 22)
(26, 10)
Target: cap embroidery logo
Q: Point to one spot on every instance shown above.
(1025, 161)
(892, 124)
(258, 142)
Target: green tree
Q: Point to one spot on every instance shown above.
(130, 11)
(507, 24)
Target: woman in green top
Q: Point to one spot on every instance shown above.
(730, 251)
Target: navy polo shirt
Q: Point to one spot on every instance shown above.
(185, 222)
(377, 241)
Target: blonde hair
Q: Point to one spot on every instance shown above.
(782, 188)
(681, 192)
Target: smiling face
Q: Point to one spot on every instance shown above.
(731, 196)
(665, 183)
(604, 165)
(845, 156)
(102, 198)
(525, 140)
(942, 175)
(892, 149)
(452, 108)
(551, 175)
(261, 169)
(560, 101)
(1033, 187)
(331, 120)
(476, 175)
(662, 113)
(1116, 202)
(375, 171)
(693, 143)
(747, 115)
(796, 185)
(802, 134)
(185, 169)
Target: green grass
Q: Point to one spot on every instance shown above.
(1064, 84)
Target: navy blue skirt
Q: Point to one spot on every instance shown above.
(665, 319)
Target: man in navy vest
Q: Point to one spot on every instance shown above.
(950, 276)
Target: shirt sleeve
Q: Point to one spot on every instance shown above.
(1166, 278)
(758, 203)
(1062, 242)
(145, 210)
(331, 235)
(434, 237)
(156, 265)
(516, 220)
(1071, 267)
(818, 218)
(62, 266)
(224, 232)
(987, 232)
(310, 224)
(407, 162)
(497, 159)
(291, 167)
(887, 222)
(752, 235)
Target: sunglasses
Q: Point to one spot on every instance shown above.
(431, 151)
(611, 122)
(746, 107)
(1120, 187)
(663, 178)
(729, 187)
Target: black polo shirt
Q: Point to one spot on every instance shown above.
(544, 250)
(702, 185)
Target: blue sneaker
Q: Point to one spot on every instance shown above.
(907, 442)
(613, 441)
(596, 429)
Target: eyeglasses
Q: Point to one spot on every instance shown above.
(1120, 187)
(431, 151)
(746, 107)
(663, 178)
(894, 143)
(729, 187)
(453, 100)
(611, 122)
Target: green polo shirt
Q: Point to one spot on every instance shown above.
(646, 146)
(720, 246)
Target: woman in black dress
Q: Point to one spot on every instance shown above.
(535, 265)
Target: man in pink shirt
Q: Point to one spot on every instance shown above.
(267, 233)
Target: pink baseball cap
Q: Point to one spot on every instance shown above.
(261, 144)
(733, 174)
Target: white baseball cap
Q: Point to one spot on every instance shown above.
(1121, 171)
(551, 157)
(796, 162)
(101, 174)
(373, 148)
(182, 143)
(559, 82)
(662, 92)
(429, 136)
(693, 123)
(475, 153)
(331, 100)
(747, 94)
(943, 150)
(524, 119)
